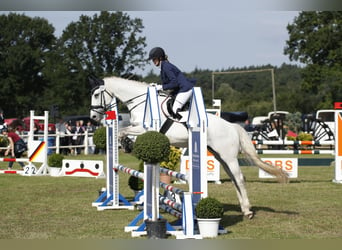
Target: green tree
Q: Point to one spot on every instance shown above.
(25, 44)
(106, 44)
(315, 39)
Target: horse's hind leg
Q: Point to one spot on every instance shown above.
(234, 171)
(231, 166)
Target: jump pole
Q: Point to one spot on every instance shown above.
(338, 142)
(197, 125)
(37, 150)
(44, 168)
(111, 197)
(151, 121)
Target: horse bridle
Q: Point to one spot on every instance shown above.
(105, 107)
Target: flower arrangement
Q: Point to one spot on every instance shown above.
(174, 159)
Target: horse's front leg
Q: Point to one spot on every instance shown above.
(126, 137)
(131, 130)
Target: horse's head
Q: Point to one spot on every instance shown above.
(100, 98)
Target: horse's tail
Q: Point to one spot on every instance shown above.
(248, 148)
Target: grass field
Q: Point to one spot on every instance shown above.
(310, 207)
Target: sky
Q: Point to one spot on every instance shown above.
(213, 40)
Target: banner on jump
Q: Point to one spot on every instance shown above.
(213, 166)
(289, 165)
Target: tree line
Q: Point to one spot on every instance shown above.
(39, 71)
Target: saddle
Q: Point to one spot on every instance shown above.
(173, 117)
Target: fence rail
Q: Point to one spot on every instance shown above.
(54, 142)
(88, 146)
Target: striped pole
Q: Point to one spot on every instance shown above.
(295, 152)
(174, 174)
(171, 203)
(168, 205)
(171, 211)
(11, 171)
(14, 160)
(140, 175)
(129, 171)
(170, 188)
(287, 142)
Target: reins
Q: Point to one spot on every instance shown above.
(132, 99)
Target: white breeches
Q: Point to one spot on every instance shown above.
(181, 99)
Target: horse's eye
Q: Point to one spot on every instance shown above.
(96, 95)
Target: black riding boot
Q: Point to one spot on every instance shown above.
(177, 115)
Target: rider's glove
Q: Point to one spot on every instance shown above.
(159, 87)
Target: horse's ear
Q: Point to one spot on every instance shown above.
(94, 81)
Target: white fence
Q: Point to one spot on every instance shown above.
(54, 143)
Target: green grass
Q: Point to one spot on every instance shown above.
(60, 207)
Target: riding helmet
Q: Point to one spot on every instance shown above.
(156, 53)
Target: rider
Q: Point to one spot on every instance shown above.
(172, 79)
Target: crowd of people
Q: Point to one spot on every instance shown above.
(73, 136)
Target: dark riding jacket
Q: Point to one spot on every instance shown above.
(172, 78)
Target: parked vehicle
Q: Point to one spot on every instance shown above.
(71, 119)
(23, 125)
(328, 117)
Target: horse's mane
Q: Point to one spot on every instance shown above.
(134, 82)
(124, 89)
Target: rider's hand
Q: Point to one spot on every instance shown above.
(159, 87)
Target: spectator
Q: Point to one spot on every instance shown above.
(36, 129)
(68, 139)
(16, 146)
(63, 140)
(3, 125)
(78, 137)
(90, 129)
(2, 119)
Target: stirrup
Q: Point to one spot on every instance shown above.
(182, 116)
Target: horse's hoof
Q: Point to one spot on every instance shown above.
(250, 215)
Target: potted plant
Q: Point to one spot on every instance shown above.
(172, 163)
(209, 212)
(55, 162)
(153, 147)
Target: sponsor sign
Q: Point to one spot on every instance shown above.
(289, 165)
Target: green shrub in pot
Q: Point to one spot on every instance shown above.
(209, 208)
(55, 160)
(152, 147)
